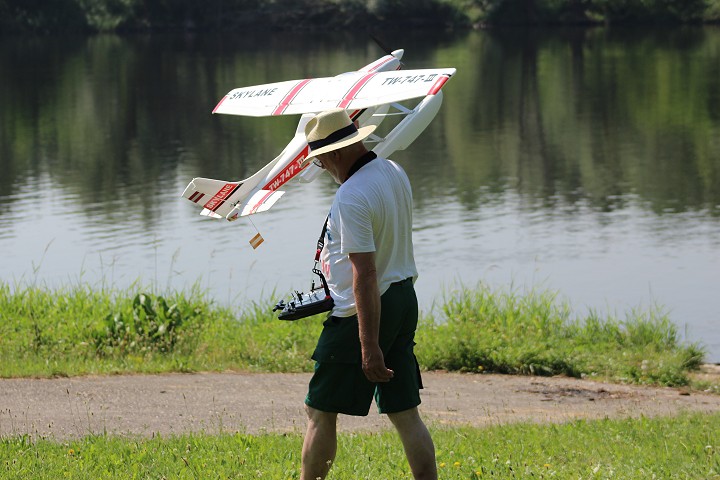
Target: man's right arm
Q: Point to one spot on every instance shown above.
(367, 303)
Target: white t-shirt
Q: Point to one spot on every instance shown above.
(372, 212)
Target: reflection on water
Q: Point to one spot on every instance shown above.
(586, 161)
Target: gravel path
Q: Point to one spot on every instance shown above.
(228, 402)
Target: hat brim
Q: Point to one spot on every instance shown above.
(361, 134)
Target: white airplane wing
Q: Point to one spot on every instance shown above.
(351, 91)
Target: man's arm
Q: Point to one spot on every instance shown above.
(367, 302)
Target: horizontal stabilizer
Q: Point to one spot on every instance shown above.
(262, 200)
(209, 213)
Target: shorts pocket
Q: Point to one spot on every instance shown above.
(339, 341)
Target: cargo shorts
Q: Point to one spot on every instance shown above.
(339, 384)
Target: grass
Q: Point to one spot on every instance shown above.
(682, 447)
(534, 333)
(80, 330)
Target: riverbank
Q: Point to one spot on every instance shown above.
(81, 330)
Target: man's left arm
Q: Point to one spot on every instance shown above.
(367, 303)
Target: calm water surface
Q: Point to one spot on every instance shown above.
(581, 161)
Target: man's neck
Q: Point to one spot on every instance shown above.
(360, 162)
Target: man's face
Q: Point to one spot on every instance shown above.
(329, 162)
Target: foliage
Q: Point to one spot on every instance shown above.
(587, 11)
(505, 332)
(148, 323)
(81, 331)
(686, 446)
(123, 15)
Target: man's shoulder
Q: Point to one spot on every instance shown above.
(383, 165)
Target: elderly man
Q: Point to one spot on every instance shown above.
(366, 346)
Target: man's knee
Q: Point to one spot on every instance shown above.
(405, 418)
(318, 417)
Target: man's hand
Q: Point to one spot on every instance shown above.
(373, 364)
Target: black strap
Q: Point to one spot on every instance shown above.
(321, 240)
(361, 162)
(315, 269)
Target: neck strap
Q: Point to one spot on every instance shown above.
(361, 162)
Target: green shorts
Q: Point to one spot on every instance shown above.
(339, 384)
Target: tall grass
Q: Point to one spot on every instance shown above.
(534, 333)
(683, 447)
(81, 330)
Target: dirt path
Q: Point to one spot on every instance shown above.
(215, 402)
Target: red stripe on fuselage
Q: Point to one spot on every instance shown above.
(380, 63)
(292, 169)
(290, 97)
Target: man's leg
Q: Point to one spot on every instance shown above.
(418, 444)
(320, 444)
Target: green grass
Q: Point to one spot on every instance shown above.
(81, 330)
(534, 333)
(683, 447)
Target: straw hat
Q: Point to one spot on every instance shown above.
(331, 130)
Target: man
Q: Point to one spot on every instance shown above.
(366, 346)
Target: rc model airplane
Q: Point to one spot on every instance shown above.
(369, 95)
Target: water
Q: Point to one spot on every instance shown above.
(582, 161)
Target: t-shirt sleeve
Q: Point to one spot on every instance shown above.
(355, 223)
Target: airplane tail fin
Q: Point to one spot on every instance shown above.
(212, 195)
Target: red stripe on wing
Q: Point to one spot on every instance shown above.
(290, 97)
(350, 96)
(259, 204)
(219, 103)
(439, 84)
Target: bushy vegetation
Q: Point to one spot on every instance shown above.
(124, 15)
(591, 11)
(80, 331)
(216, 15)
(687, 446)
(534, 333)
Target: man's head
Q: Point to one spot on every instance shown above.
(330, 135)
